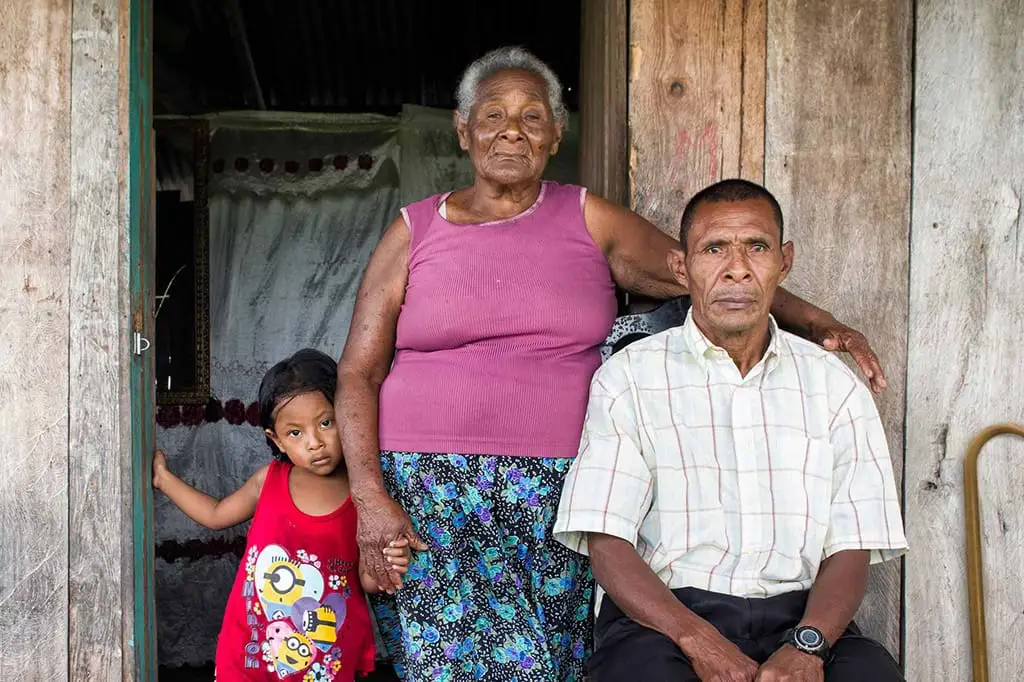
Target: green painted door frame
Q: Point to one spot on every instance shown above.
(141, 280)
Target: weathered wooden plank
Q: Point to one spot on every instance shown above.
(696, 100)
(966, 325)
(838, 159)
(35, 50)
(604, 99)
(99, 430)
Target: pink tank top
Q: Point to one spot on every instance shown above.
(498, 336)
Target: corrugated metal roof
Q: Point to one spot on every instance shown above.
(344, 55)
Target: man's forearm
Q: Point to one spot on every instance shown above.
(797, 315)
(641, 594)
(355, 405)
(837, 593)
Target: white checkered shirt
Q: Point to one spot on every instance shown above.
(736, 485)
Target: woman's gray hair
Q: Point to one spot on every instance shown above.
(504, 59)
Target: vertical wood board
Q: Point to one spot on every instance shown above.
(837, 157)
(35, 49)
(696, 100)
(100, 589)
(141, 196)
(966, 324)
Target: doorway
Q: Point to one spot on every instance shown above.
(239, 71)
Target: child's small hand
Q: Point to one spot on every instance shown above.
(398, 554)
(159, 468)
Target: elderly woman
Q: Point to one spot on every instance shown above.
(464, 382)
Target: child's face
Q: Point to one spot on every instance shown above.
(304, 431)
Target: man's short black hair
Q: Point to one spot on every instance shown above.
(308, 371)
(724, 191)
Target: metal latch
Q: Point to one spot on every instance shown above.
(140, 344)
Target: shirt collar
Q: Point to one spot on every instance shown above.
(708, 353)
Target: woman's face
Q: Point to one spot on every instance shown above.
(511, 132)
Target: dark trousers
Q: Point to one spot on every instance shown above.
(625, 651)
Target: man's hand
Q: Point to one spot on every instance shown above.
(836, 336)
(791, 665)
(381, 523)
(716, 659)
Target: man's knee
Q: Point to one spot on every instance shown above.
(861, 658)
(628, 652)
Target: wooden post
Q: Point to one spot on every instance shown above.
(136, 64)
(966, 324)
(35, 54)
(603, 99)
(696, 100)
(838, 160)
(100, 577)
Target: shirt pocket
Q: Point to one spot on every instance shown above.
(801, 486)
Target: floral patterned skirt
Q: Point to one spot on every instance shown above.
(496, 597)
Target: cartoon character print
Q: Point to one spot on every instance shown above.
(293, 655)
(281, 581)
(276, 634)
(303, 623)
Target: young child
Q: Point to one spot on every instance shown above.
(297, 609)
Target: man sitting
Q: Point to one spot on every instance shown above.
(733, 481)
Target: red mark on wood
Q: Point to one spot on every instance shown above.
(691, 153)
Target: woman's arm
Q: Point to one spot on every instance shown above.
(637, 251)
(637, 254)
(205, 510)
(367, 356)
(364, 364)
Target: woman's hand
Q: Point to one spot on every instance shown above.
(836, 336)
(384, 526)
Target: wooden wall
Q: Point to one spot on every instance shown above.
(814, 98)
(100, 578)
(696, 100)
(35, 95)
(838, 160)
(63, 445)
(966, 365)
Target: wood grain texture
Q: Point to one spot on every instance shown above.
(838, 159)
(604, 99)
(966, 325)
(696, 100)
(35, 50)
(99, 429)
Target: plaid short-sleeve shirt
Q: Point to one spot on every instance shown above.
(736, 485)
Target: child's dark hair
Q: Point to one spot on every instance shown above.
(307, 371)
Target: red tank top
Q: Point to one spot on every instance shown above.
(296, 611)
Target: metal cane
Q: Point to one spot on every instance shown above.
(972, 516)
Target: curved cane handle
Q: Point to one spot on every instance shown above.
(972, 517)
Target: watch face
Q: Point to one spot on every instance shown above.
(809, 638)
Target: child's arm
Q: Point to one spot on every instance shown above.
(205, 510)
(397, 556)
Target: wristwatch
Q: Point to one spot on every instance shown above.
(809, 640)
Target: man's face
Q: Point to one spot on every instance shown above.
(732, 266)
